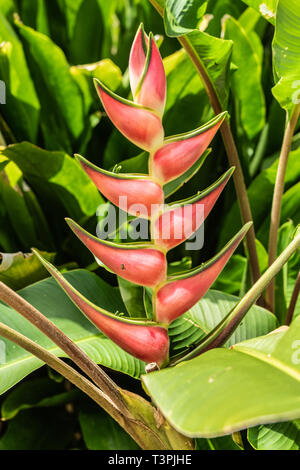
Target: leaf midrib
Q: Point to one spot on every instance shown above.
(270, 360)
(29, 356)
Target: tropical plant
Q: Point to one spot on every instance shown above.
(212, 364)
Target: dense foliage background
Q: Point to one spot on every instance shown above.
(49, 52)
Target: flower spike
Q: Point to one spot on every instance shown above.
(141, 191)
(180, 152)
(139, 263)
(137, 123)
(151, 90)
(181, 220)
(179, 293)
(144, 340)
(137, 58)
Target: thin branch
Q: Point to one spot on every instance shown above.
(293, 301)
(222, 332)
(230, 147)
(92, 370)
(277, 198)
(62, 368)
(148, 435)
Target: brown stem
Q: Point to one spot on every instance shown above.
(230, 147)
(93, 371)
(277, 199)
(293, 301)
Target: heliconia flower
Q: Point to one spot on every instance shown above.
(141, 191)
(144, 340)
(137, 58)
(137, 123)
(181, 220)
(146, 73)
(179, 293)
(180, 152)
(140, 263)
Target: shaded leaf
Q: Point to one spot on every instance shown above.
(281, 436)
(22, 109)
(101, 432)
(286, 50)
(36, 393)
(18, 270)
(247, 86)
(56, 173)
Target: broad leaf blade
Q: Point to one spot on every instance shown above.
(56, 173)
(229, 390)
(49, 298)
(207, 314)
(183, 16)
(247, 86)
(286, 50)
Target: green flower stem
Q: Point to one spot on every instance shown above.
(277, 198)
(294, 298)
(92, 370)
(230, 147)
(222, 332)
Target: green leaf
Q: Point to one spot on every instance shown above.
(104, 70)
(101, 432)
(215, 55)
(260, 193)
(18, 213)
(51, 301)
(34, 14)
(208, 312)
(223, 390)
(56, 174)
(87, 37)
(58, 90)
(289, 210)
(279, 436)
(39, 430)
(22, 109)
(7, 7)
(218, 443)
(133, 297)
(267, 8)
(36, 393)
(18, 270)
(186, 96)
(247, 86)
(286, 50)
(183, 16)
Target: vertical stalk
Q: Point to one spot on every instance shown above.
(294, 298)
(277, 198)
(231, 150)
